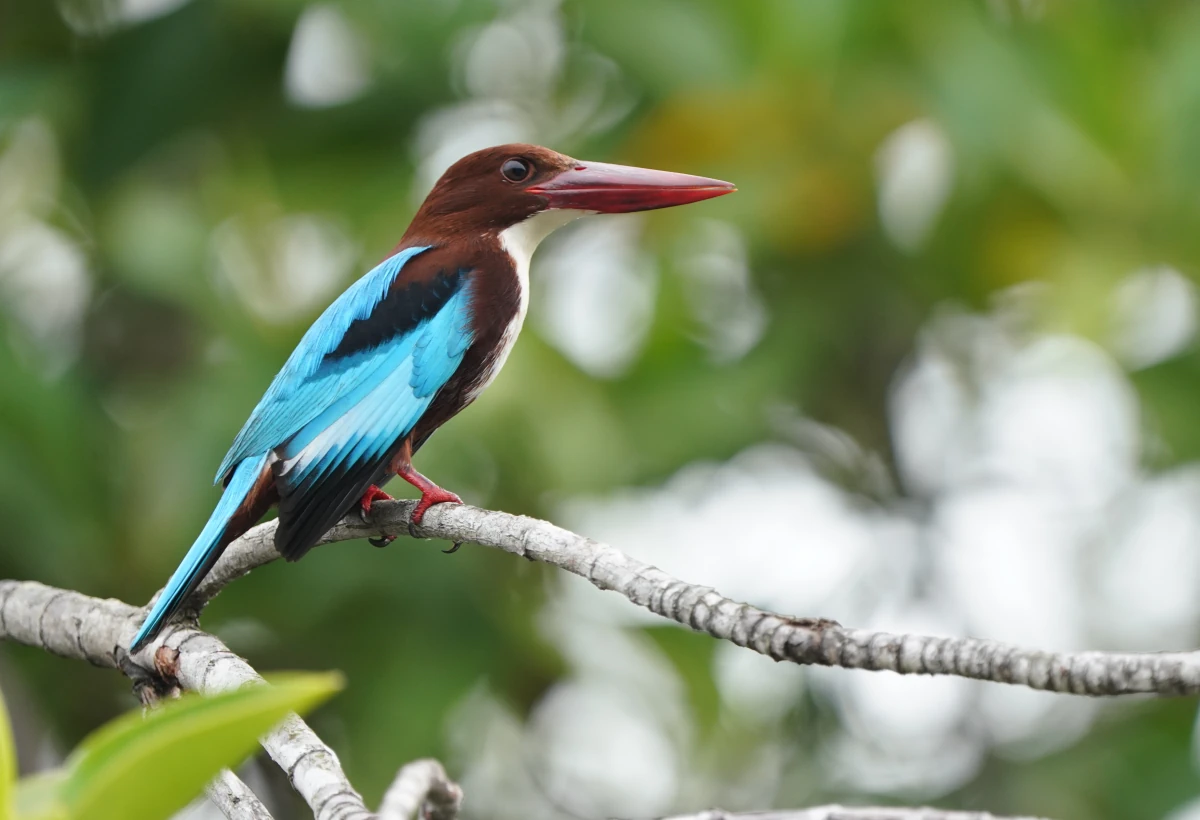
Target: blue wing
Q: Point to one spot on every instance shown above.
(359, 381)
(328, 464)
(355, 386)
(310, 381)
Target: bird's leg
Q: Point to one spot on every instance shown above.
(430, 493)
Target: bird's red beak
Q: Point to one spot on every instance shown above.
(618, 189)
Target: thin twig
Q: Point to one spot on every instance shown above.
(421, 786)
(233, 797)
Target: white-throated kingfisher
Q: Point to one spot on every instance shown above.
(405, 348)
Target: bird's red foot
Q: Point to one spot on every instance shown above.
(430, 493)
(372, 495)
(433, 495)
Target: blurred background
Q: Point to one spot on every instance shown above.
(941, 342)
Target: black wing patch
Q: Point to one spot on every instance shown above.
(403, 308)
(309, 509)
(307, 512)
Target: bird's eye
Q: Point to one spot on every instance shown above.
(516, 169)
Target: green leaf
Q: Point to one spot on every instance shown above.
(8, 764)
(136, 768)
(38, 796)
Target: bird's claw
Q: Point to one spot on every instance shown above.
(147, 687)
(372, 495)
(429, 497)
(454, 548)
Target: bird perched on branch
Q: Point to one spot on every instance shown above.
(405, 348)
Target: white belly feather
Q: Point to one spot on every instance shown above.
(519, 242)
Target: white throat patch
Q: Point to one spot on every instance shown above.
(519, 242)
(522, 239)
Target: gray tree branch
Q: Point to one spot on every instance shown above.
(73, 625)
(782, 637)
(77, 626)
(422, 783)
(234, 798)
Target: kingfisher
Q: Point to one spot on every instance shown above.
(406, 348)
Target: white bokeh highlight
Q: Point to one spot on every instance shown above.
(45, 284)
(283, 268)
(602, 752)
(513, 75)
(89, 18)
(720, 290)
(1154, 316)
(915, 173)
(45, 287)
(140, 11)
(1151, 566)
(1188, 811)
(594, 295)
(326, 61)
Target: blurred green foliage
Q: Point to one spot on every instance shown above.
(1074, 133)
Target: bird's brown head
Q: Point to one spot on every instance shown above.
(494, 189)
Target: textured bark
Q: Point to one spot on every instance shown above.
(234, 798)
(422, 783)
(76, 626)
(779, 636)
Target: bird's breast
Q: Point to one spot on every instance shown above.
(499, 299)
(505, 326)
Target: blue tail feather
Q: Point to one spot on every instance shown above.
(204, 551)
